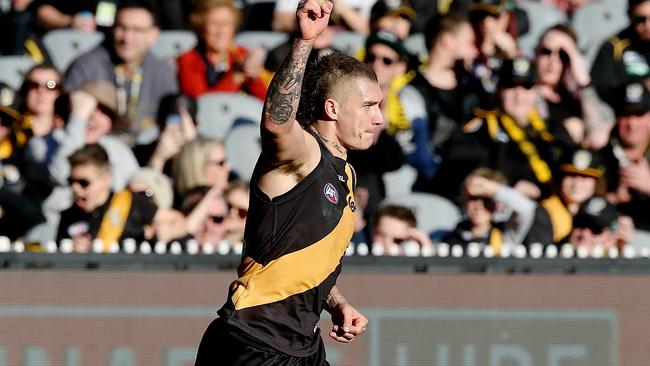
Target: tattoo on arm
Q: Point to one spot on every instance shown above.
(284, 92)
(335, 298)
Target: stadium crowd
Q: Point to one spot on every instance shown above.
(543, 145)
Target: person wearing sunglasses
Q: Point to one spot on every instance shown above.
(40, 88)
(101, 213)
(208, 217)
(236, 196)
(625, 56)
(571, 105)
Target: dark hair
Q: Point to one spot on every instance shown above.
(322, 76)
(170, 104)
(401, 213)
(562, 28)
(140, 4)
(92, 154)
(23, 86)
(441, 24)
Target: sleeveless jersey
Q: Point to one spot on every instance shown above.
(293, 245)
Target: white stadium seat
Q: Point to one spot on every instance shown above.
(64, 45)
(219, 112)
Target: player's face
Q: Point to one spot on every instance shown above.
(640, 18)
(359, 116)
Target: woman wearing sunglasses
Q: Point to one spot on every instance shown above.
(571, 105)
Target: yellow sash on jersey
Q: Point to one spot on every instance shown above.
(115, 217)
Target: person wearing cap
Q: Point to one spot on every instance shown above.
(570, 103)
(449, 89)
(627, 156)
(512, 138)
(596, 224)
(404, 108)
(624, 57)
(579, 175)
(125, 60)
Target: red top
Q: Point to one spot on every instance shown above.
(193, 79)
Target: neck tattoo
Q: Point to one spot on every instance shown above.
(333, 144)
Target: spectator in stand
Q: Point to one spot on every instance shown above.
(484, 192)
(596, 224)
(395, 226)
(217, 63)
(177, 123)
(396, 16)
(579, 177)
(208, 220)
(571, 105)
(512, 139)
(16, 28)
(111, 216)
(201, 162)
(625, 57)
(352, 15)
(126, 61)
(627, 156)
(449, 89)
(18, 213)
(40, 89)
(497, 25)
(154, 185)
(91, 118)
(403, 107)
(236, 196)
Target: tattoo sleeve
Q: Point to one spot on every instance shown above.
(283, 94)
(335, 298)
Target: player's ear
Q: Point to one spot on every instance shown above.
(331, 109)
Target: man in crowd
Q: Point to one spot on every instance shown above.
(125, 59)
(99, 213)
(625, 57)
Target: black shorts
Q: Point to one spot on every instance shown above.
(226, 345)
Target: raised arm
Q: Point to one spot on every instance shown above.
(283, 139)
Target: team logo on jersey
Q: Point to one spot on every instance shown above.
(331, 193)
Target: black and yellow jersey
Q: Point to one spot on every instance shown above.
(292, 256)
